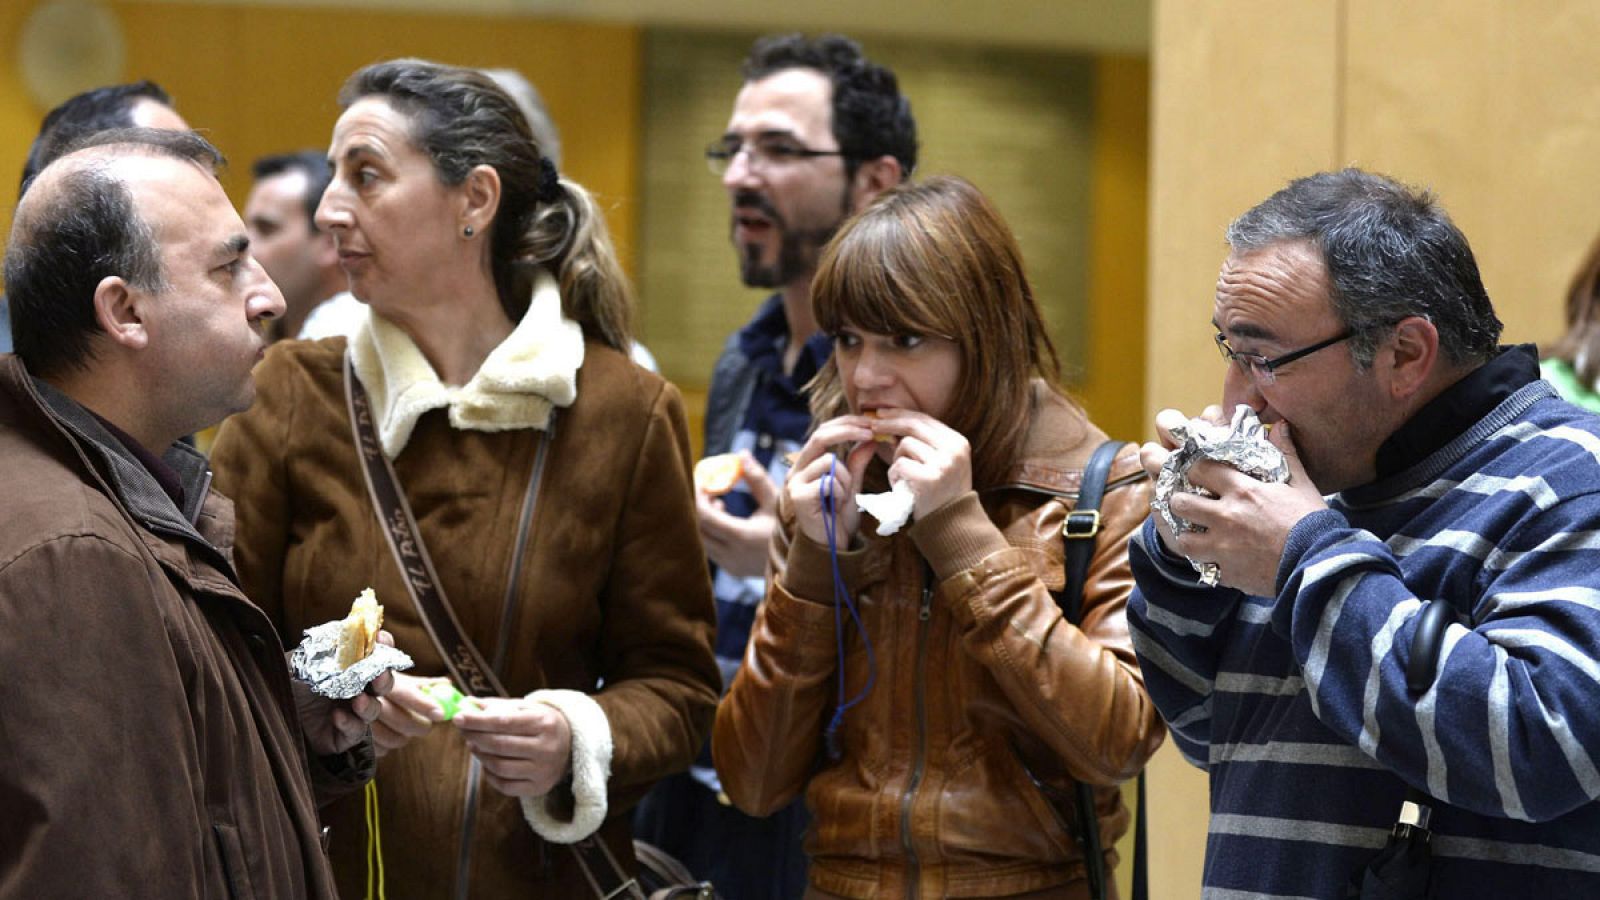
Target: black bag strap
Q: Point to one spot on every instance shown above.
(1402, 868)
(1427, 642)
(1141, 849)
(1082, 527)
(466, 665)
(1079, 534)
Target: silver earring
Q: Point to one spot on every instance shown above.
(467, 231)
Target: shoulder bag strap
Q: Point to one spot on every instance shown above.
(1082, 527)
(1079, 533)
(460, 655)
(1427, 643)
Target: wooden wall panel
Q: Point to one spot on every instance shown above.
(1243, 94)
(1497, 109)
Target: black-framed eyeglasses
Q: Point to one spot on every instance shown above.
(1262, 369)
(765, 153)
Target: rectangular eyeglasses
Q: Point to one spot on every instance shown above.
(1263, 369)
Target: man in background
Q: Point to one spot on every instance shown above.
(817, 132)
(142, 104)
(301, 258)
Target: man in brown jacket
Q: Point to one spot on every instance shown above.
(152, 743)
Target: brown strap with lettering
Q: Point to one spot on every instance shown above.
(461, 656)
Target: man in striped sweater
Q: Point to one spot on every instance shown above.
(1427, 465)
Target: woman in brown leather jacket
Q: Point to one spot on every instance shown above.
(910, 683)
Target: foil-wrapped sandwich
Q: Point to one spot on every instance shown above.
(1242, 443)
(340, 658)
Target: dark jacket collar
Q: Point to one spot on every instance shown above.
(1458, 408)
(139, 491)
(165, 475)
(764, 338)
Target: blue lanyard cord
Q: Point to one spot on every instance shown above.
(841, 601)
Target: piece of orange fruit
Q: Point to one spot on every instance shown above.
(718, 474)
(880, 438)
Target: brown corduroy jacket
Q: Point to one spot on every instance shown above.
(614, 598)
(149, 745)
(974, 672)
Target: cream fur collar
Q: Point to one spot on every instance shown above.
(533, 371)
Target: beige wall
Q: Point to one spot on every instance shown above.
(1235, 112)
(1493, 104)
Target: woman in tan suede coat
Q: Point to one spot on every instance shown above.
(962, 674)
(495, 358)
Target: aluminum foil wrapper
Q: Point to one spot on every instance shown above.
(316, 662)
(1242, 444)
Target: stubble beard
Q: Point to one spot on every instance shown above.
(798, 252)
(799, 249)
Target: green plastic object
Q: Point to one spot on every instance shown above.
(445, 694)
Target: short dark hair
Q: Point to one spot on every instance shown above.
(314, 163)
(871, 118)
(85, 230)
(1390, 251)
(100, 109)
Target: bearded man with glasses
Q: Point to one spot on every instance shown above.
(817, 132)
(1428, 465)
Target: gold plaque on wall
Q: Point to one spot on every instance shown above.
(67, 47)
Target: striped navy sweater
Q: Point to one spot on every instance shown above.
(1297, 705)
